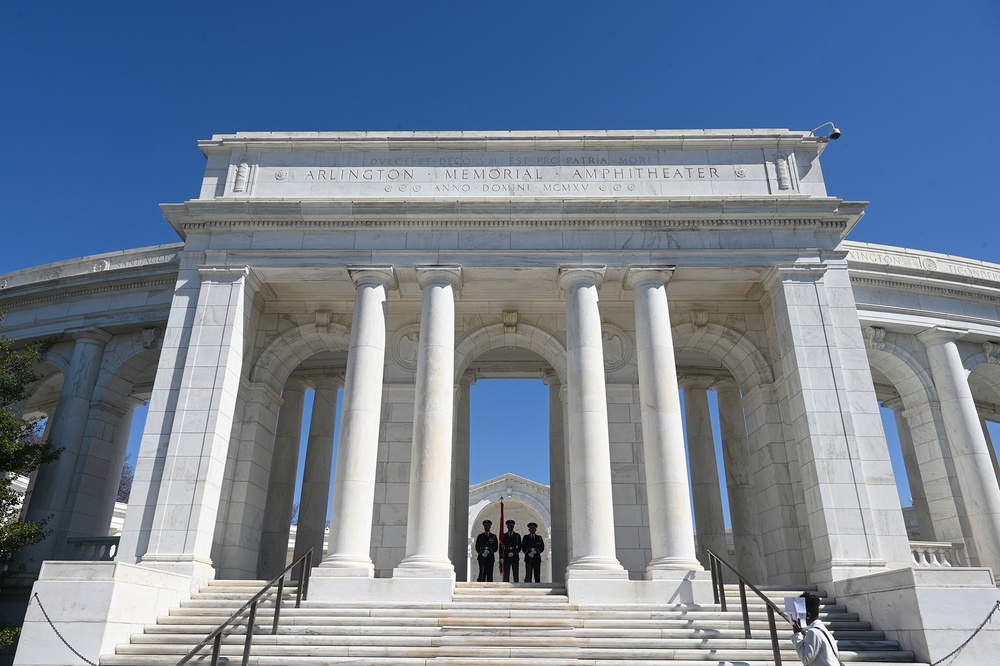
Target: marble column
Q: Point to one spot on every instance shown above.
(314, 499)
(557, 479)
(709, 521)
(357, 452)
(50, 496)
(281, 482)
(588, 442)
(742, 507)
(968, 445)
(48, 411)
(671, 531)
(992, 449)
(426, 553)
(913, 471)
(459, 522)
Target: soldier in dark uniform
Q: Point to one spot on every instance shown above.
(511, 552)
(532, 545)
(486, 545)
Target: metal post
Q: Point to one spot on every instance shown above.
(746, 608)
(774, 636)
(246, 644)
(277, 605)
(216, 648)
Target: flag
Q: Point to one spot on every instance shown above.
(502, 528)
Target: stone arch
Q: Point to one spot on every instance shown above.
(908, 373)
(287, 351)
(982, 366)
(527, 336)
(730, 347)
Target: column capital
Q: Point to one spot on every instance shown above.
(573, 274)
(320, 382)
(694, 382)
(723, 384)
(294, 383)
(637, 274)
(551, 378)
(450, 274)
(95, 335)
(936, 335)
(800, 271)
(381, 275)
(468, 378)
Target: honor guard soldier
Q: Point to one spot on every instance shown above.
(532, 545)
(511, 556)
(486, 546)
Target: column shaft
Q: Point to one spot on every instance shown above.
(50, 496)
(592, 504)
(671, 531)
(557, 480)
(459, 532)
(430, 465)
(357, 452)
(968, 445)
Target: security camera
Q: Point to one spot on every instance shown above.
(834, 134)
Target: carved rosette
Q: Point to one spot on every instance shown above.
(403, 347)
(618, 347)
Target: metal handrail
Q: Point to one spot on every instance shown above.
(215, 637)
(718, 590)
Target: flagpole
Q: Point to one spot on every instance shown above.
(502, 528)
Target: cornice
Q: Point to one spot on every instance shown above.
(721, 139)
(59, 293)
(989, 295)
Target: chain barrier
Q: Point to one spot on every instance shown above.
(954, 653)
(42, 608)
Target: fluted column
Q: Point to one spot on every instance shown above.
(968, 446)
(430, 465)
(314, 499)
(459, 522)
(742, 507)
(591, 503)
(357, 452)
(53, 481)
(557, 479)
(709, 520)
(281, 481)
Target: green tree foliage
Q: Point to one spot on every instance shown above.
(21, 449)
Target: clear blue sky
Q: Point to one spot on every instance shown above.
(102, 103)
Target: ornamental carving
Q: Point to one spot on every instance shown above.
(784, 174)
(242, 175)
(876, 337)
(991, 350)
(101, 265)
(403, 347)
(617, 347)
(510, 321)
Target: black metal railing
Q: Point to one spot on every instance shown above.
(719, 591)
(215, 638)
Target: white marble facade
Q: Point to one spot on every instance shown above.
(618, 267)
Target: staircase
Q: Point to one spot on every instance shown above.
(491, 624)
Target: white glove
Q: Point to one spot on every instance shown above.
(486, 552)
(532, 552)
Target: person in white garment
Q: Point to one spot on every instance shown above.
(814, 643)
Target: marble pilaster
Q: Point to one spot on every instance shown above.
(710, 524)
(314, 498)
(742, 507)
(357, 452)
(558, 556)
(281, 481)
(588, 442)
(427, 553)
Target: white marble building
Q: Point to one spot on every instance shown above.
(619, 267)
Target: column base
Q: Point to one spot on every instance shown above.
(120, 599)
(347, 567)
(330, 585)
(687, 588)
(668, 566)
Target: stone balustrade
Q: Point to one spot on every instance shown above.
(938, 554)
(94, 549)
